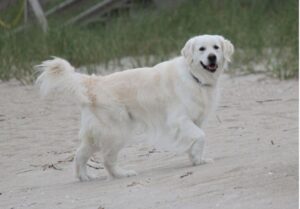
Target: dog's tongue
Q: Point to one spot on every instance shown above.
(212, 66)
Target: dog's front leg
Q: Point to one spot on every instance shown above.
(196, 150)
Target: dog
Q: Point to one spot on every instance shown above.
(165, 103)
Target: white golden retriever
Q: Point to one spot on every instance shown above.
(165, 103)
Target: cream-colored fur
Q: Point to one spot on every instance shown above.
(167, 103)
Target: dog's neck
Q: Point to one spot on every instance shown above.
(197, 75)
(200, 82)
(204, 77)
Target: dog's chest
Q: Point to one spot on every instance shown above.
(200, 103)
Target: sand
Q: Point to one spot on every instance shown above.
(252, 137)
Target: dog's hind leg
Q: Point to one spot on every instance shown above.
(84, 152)
(110, 163)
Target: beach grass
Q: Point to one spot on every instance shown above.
(265, 35)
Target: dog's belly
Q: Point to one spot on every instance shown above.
(159, 128)
(160, 134)
(165, 129)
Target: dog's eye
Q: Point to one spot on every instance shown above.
(216, 47)
(202, 48)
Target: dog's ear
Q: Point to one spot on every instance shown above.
(188, 50)
(228, 49)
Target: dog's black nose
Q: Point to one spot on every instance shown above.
(212, 58)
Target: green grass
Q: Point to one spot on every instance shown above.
(264, 32)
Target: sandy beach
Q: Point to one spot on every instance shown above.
(252, 137)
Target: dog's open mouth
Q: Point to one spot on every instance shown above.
(211, 67)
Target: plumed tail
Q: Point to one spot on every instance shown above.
(58, 76)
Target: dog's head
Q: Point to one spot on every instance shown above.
(209, 53)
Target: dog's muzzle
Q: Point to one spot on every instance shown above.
(212, 67)
(212, 63)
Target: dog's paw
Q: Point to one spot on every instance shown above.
(125, 173)
(86, 177)
(129, 173)
(201, 161)
(207, 160)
